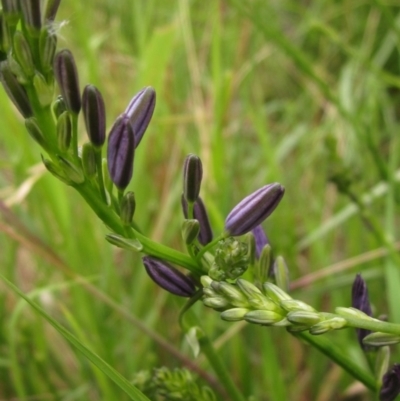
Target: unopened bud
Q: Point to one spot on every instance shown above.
(56, 171)
(140, 110)
(335, 323)
(89, 160)
(58, 107)
(120, 152)
(264, 264)
(382, 362)
(234, 314)
(132, 244)
(67, 78)
(169, 278)
(216, 302)
(275, 293)
(231, 292)
(265, 317)
(192, 175)
(379, 339)
(95, 115)
(23, 54)
(260, 239)
(51, 10)
(64, 131)
(35, 132)
(281, 273)
(190, 231)
(302, 317)
(293, 305)
(44, 91)
(72, 172)
(31, 16)
(253, 209)
(15, 90)
(47, 50)
(128, 205)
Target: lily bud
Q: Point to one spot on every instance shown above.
(51, 10)
(64, 131)
(89, 160)
(15, 90)
(253, 209)
(23, 54)
(335, 323)
(360, 301)
(200, 214)
(140, 110)
(379, 339)
(120, 152)
(302, 317)
(275, 293)
(190, 231)
(260, 238)
(72, 172)
(47, 50)
(192, 175)
(264, 317)
(128, 205)
(390, 384)
(234, 314)
(281, 273)
(294, 305)
(58, 107)
(216, 302)
(95, 115)
(67, 78)
(44, 91)
(169, 278)
(31, 16)
(124, 243)
(11, 11)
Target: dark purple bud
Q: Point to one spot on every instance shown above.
(51, 9)
(31, 16)
(200, 214)
(253, 209)
(15, 90)
(360, 301)
(120, 152)
(390, 384)
(169, 278)
(192, 175)
(95, 115)
(140, 110)
(67, 78)
(260, 238)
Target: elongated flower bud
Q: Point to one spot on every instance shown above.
(31, 16)
(15, 90)
(67, 78)
(169, 278)
(128, 205)
(200, 214)
(89, 160)
(253, 209)
(35, 132)
(95, 115)
(120, 152)
(64, 131)
(140, 110)
(260, 238)
(360, 301)
(51, 9)
(192, 175)
(47, 50)
(390, 384)
(23, 54)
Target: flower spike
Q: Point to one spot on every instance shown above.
(253, 209)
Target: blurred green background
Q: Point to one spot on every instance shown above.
(305, 93)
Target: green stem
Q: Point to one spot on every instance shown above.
(215, 361)
(335, 354)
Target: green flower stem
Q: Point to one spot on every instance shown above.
(150, 247)
(335, 354)
(215, 361)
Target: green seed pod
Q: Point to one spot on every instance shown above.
(190, 231)
(89, 160)
(264, 317)
(128, 205)
(124, 243)
(234, 314)
(64, 131)
(23, 54)
(303, 317)
(379, 339)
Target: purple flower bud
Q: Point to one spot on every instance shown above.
(360, 301)
(192, 175)
(67, 78)
(253, 209)
(120, 152)
(390, 384)
(260, 238)
(169, 278)
(31, 15)
(200, 214)
(140, 110)
(15, 90)
(95, 115)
